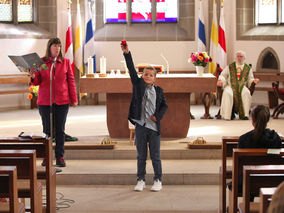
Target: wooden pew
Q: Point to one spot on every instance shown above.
(43, 150)
(265, 195)
(16, 79)
(255, 177)
(243, 157)
(25, 161)
(9, 188)
(225, 171)
(269, 76)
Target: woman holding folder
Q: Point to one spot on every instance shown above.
(63, 94)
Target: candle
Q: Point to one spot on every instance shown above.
(90, 65)
(101, 64)
(104, 65)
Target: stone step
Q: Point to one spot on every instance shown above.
(122, 150)
(123, 172)
(117, 198)
(118, 154)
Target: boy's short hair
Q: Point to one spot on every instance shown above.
(150, 68)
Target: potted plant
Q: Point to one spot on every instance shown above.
(33, 96)
(200, 61)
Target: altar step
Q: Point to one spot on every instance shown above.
(89, 151)
(123, 172)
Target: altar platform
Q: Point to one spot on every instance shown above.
(102, 180)
(89, 124)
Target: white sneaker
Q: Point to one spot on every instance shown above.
(140, 186)
(157, 186)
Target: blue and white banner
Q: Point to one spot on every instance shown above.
(89, 45)
(201, 44)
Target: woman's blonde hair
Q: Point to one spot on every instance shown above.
(277, 203)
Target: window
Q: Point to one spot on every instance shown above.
(282, 9)
(115, 11)
(269, 11)
(24, 10)
(167, 11)
(141, 11)
(6, 10)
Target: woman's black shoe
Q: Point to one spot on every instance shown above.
(60, 162)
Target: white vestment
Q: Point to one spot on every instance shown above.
(227, 97)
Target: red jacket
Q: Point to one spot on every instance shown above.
(63, 84)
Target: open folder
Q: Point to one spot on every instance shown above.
(29, 62)
(32, 135)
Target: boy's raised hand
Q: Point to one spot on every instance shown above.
(124, 47)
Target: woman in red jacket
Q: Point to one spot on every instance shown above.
(63, 94)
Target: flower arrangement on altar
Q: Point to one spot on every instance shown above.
(199, 59)
(33, 91)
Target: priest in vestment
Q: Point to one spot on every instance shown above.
(235, 80)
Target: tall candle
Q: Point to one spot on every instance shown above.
(105, 64)
(90, 65)
(101, 65)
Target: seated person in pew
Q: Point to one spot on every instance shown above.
(277, 202)
(259, 137)
(235, 80)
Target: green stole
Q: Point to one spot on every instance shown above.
(238, 85)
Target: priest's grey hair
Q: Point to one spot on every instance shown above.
(240, 52)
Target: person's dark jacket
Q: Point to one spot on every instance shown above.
(269, 139)
(138, 91)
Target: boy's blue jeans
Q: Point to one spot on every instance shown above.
(143, 136)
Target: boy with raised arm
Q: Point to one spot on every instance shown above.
(147, 108)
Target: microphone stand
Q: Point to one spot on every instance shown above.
(51, 109)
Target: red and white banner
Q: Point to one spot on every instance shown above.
(68, 42)
(222, 51)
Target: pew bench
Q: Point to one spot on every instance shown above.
(255, 177)
(225, 171)
(25, 161)
(9, 188)
(43, 150)
(265, 195)
(242, 157)
(17, 79)
(269, 76)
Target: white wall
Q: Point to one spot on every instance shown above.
(177, 52)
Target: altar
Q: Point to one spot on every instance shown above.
(177, 89)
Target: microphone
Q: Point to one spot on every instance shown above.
(53, 63)
(54, 60)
